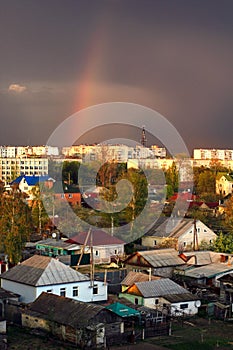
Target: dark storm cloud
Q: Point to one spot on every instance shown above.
(175, 57)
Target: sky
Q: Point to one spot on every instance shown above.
(174, 56)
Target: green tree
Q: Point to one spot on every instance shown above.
(172, 179)
(224, 243)
(15, 224)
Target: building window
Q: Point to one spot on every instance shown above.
(62, 292)
(156, 301)
(184, 306)
(116, 251)
(198, 230)
(95, 290)
(96, 253)
(136, 301)
(49, 290)
(70, 195)
(155, 242)
(184, 244)
(75, 291)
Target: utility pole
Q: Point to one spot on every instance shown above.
(195, 238)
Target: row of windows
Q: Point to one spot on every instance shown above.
(75, 291)
(182, 306)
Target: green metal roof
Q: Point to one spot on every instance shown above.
(122, 310)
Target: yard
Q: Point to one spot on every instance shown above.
(195, 334)
(198, 334)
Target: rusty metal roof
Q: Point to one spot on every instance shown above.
(42, 271)
(64, 310)
(162, 257)
(177, 298)
(133, 277)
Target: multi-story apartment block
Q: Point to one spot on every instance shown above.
(219, 154)
(120, 153)
(10, 168)
(18, 151)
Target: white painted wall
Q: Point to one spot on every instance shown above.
(175, 308)
(29, 293)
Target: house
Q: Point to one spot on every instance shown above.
(56, 247)
(224, 184)
(45, 274)
(207, 275)
(64, 192)
(163, 293)
(184, 234)
(133, 277)
(104, 245)
(161, 261)
(201, 257)
(26, 183)
(83, 324)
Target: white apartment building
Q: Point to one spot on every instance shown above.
(220, 154)
(18, 151)
(120, 153)
(8, 151)
(10, 168)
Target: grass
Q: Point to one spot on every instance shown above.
(198, 334)
(23, 339)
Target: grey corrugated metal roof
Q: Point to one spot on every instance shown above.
(168, 227)
(158, 288)
(208, 271)
(42, 270)
(162, 257)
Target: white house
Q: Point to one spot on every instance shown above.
(178, 233)
(163, 294)
(45, 274)
(104, 245)
(224, 184)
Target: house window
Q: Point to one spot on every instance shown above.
(155, 242)
(70, 195)
(184, 306)
(136, 301)
(205, 230)
(95, 290)
(75, 291)
(184, 244)
(198, 230)
(49, 290)
(156, 301)
(97, 253)
(62, 292)
(116, 251)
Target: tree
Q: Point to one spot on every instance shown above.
(172, 180)
(224, 243)
(15, 224)
(40, 216)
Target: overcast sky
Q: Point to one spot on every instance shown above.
(175, 57)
